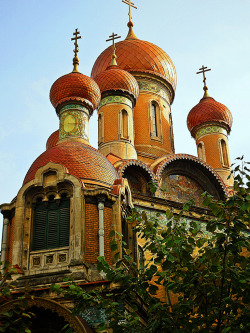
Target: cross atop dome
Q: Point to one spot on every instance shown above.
(204, 69)
(130, 4)
(76, 50)
(113, 37)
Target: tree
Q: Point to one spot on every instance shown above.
(202, 266)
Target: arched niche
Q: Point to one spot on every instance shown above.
(182, 179)
(138, 176)
(50, 316)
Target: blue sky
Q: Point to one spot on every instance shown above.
(36, 48)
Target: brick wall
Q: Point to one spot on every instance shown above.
(91, 233)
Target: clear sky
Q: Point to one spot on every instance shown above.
(36, 48)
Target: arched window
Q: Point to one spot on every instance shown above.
(124, 124)
(51, 223)
(201, 151)
(225, 160)
(154, 119)
(100, 128)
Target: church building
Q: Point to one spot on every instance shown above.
(73, 195)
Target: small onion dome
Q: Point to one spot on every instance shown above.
(138, 56)
(116, 79)
(207, 111)
(75, 87)
(80, 160)
(52, 140)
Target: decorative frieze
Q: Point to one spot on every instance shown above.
(74, 123)
(43, 259)
(115, 99)
(209, 130)
(155, 88)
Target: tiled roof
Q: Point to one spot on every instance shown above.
(137, 55)
(208, 110)
(52, 140)
(81, 161)
(75, 86)
(115, 78)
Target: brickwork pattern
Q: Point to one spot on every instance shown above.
(144, 141)
(75, 85)
(81, 161)
(91, 233)
(107, 229)
(211, 144)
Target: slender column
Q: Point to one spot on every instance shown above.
(4, 242)
(101, 226)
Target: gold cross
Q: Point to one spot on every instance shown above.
(130, 4)
(204, 69)
(76, 33)
(113, 37)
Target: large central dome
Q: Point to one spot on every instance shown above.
(135, 55)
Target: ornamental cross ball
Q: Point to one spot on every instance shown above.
(76, 50)
(204, 69)
(113, 57)
(130, 4)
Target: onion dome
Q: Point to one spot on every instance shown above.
(209, 111)
(52, 140)
(117, 79)
(138, 56)
(75, 87)
(80, 160)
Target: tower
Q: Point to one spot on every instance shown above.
(156, 76)
(119, 92)
(209, 123)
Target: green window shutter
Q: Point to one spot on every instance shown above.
(52, 230)
(64, 226)
(51, 225)
(39, 229)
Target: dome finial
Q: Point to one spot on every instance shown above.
(130, 4)
(131, 34)
(76, 50)
(113, 57)
(204, 69)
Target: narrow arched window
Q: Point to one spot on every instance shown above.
(154, 119)
(100, 128)
(201, 151)
(225, 161)
(124, 124)
(51, 224)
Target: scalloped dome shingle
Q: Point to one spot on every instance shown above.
(81, 161)
(209, 110)
(75, 86)
(115, 78)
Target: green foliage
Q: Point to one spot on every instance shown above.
(202, 271)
